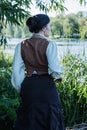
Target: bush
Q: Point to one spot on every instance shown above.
(9, 99)
(73, 90)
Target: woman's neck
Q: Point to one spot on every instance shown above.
(40, 33)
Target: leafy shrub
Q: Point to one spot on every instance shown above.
(73, 90)
(9, 99)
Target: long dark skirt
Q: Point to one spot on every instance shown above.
(40, 107)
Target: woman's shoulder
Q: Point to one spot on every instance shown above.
(52, 41)
(25, 42)
(52, 44)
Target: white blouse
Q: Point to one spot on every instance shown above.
(18, 68)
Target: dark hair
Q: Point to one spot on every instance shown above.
(37, 22)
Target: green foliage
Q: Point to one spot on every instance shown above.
(73, 90)
(9, 99)
(17, 31)
(5, 61)
(71, 25)
(56, 27)
(82, 1)
(50, 5)
(83, 28)
(12, 11)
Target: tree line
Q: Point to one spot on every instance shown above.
(68, 26)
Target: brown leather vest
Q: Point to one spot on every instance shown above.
(33, 52)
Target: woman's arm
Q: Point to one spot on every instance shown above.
(18, 69)
(54, 67)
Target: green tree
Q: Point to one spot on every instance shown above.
(15, 10)
(57, 27)
(83, 28)
(25, 30)
(7, 30)
(17, 31)
(71, 26)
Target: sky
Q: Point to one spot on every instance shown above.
(73, 6)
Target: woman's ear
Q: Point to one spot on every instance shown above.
(44, 29)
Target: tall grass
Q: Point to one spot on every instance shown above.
(73, 90)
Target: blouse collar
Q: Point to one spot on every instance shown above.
(39, 35)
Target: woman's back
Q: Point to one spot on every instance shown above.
(33, 52)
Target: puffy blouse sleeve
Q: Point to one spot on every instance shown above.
(54, 66)
(18, 69)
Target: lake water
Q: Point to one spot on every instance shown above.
(75, 47)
